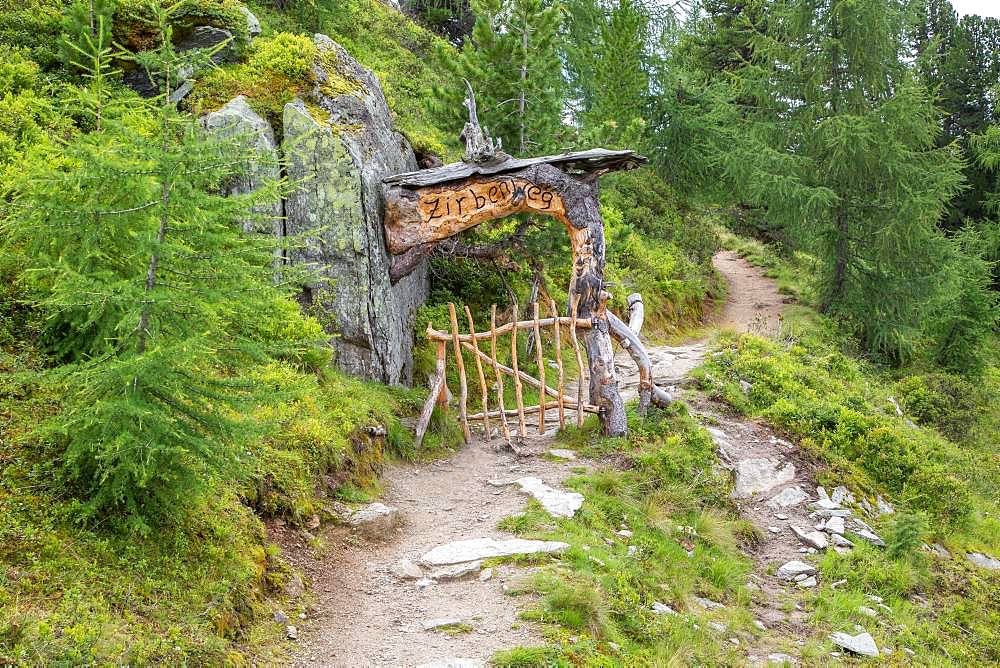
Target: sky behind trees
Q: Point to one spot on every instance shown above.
(981, 7)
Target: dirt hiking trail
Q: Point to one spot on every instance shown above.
(375, 605)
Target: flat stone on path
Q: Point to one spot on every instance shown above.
(561, 453)
(556, 502)
(759, 475)
(788, 497)
(375, 519)
(454, 663)
(406, 570)
(431, 624)
(984, 561)
(461, 551)
(456, 572)
(816, 539)
(863, 643)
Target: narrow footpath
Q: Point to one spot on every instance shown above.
(378, 604)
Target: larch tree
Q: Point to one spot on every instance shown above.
(159, 307)
(842, 152)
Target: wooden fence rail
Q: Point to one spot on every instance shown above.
(469, 342)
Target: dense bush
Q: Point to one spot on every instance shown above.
(946, 402)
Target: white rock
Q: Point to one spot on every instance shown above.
(624, 533)
(839, 541)
(424, 583)
(808, 583)
(836, 512)
(774, 530)
(759, 475)
(789, 570)
(253, 25)
(821, 493)
(781, 658)
(867, 611)
(457, 571)
(376, 519)
(824, 504)
(718, 626)
(760, 625)
(438, 622)
(780, 516)
(561, 453)
(486, 574)
(455, 663)
(984, 561)
(291, 632)
(884, 507)
(842, 495)
(663, 609)
(875, 599)
(788, 497)
(862, 643)
(556, 502)
(405, 569)
(814, 539)
(460, 551)
(873, 538)
(835, 525)
(708, 603)
(745, 386)
(938, 550)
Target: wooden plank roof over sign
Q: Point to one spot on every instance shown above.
(596, 161)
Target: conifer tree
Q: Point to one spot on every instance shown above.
(841, 150)
(156, 301)
(512, 61)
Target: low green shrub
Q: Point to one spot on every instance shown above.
(278, 68)
(826, 399)
(947, 402)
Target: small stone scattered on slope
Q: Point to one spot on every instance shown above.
(863, 643)
(984, 561)
(789, 570)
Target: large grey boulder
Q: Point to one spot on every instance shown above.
(237, 120)
(339, 148)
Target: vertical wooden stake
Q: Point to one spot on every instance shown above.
(559, 362)
(463, 386)
(496, 370)
(479, 369)
(442, 371)
(540, 359)
(579, 359)
(518, 389)
(438, 395)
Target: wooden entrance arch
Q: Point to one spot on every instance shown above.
(429, 206)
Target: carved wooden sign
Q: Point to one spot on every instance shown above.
(423, 208)
(448, 209)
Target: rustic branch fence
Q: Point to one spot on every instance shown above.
(485, 362)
